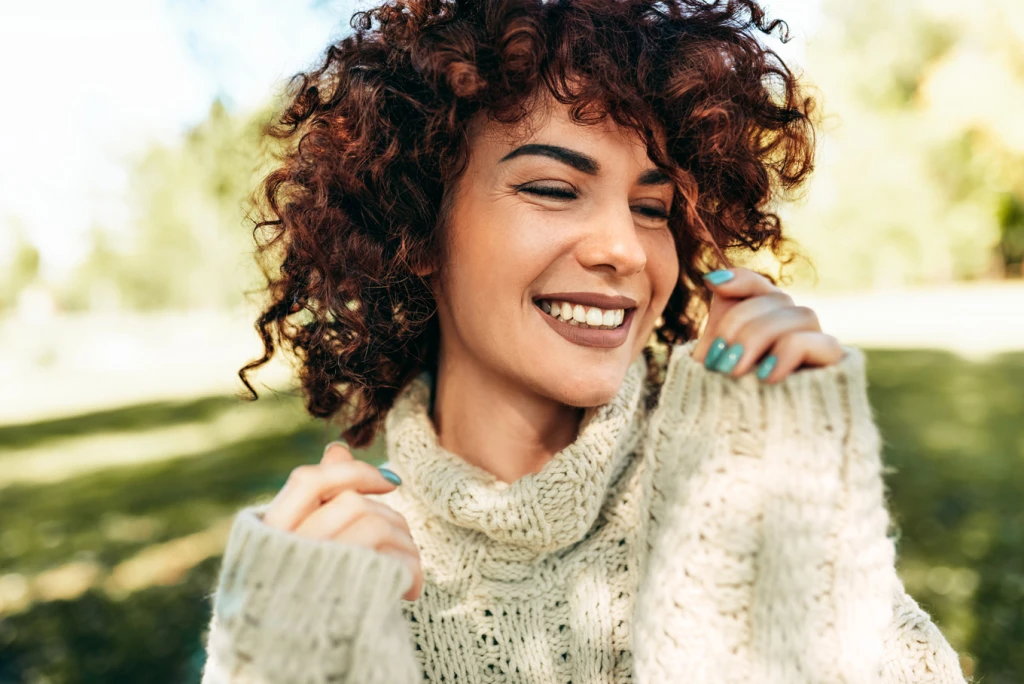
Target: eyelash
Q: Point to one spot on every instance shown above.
(566, 194)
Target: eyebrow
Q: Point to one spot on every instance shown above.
(581, 162)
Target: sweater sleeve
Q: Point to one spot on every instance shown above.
(770, 559)
(291, 609)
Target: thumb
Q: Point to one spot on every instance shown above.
(337, 451)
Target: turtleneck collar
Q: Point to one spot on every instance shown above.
(541, 511)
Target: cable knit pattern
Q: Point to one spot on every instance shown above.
(736, 533)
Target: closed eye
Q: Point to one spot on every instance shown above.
(560, 193)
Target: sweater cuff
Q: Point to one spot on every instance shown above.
(286, 604)
(916, 652)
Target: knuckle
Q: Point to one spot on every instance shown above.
(783, 297)
(378, 529)
(808, 313)
(787, 343)
(302, 476)
(404, 523)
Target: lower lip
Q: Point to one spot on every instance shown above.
(589, 337)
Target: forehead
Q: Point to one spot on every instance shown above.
(549, 120)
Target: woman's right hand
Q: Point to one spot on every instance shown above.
(326, 501)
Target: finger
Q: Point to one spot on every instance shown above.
(377, 533)
(331, 519)
(804, 348)
(739, 315)
(757, 336)
(374, 532)
(416, 566)
(337, 451)
(744, 283)
(308, 486)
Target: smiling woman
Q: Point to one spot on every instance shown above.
(488, 217)
(555, 117)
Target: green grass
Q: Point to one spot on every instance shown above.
(953, 431)
(155, 414)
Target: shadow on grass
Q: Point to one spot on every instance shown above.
(154, 636)
(131, 419)
(952, 429)
(83, 518)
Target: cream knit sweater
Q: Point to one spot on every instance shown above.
(735, 533)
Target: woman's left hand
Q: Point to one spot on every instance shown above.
(751, 321)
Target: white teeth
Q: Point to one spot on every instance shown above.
(577, 314)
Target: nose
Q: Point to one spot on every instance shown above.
(611, 241)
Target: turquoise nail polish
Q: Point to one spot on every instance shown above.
(729, 359)
(716, 349)
(718, 277)
(766, 366)
(390, 476)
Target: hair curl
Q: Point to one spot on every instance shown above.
(375, 135)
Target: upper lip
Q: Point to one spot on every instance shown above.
(597, 299)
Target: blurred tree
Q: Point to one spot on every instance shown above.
(921, 173)
(21, 270)
(189, 246)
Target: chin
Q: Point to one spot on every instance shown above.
(593, 389)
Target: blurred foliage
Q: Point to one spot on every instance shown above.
(191, 246)
(920, 176)
(951, 431)
(22, 270)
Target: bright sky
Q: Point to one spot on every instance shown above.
(125, 73)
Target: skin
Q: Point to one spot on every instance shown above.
(510, 391)
(509, 388)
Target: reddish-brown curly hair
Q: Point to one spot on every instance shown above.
(376, 134)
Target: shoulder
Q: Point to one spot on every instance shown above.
(808, 402)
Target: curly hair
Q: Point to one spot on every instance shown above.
(374, 137)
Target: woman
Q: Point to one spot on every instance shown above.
(490, 219)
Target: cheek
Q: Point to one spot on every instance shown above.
(495, 257)
(662, 266)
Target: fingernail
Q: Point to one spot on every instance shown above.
(390, 476)
(716, 349)
(340, 441)
(729, 359)
(764, 369)
(718, 277)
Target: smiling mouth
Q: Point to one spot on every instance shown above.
(583, 316)
(579, 324)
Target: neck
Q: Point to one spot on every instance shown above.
(496, 424)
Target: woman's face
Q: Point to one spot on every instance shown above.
(568, 222)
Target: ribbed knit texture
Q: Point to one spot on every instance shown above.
(735, 533)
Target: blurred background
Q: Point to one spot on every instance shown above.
(129, 139)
